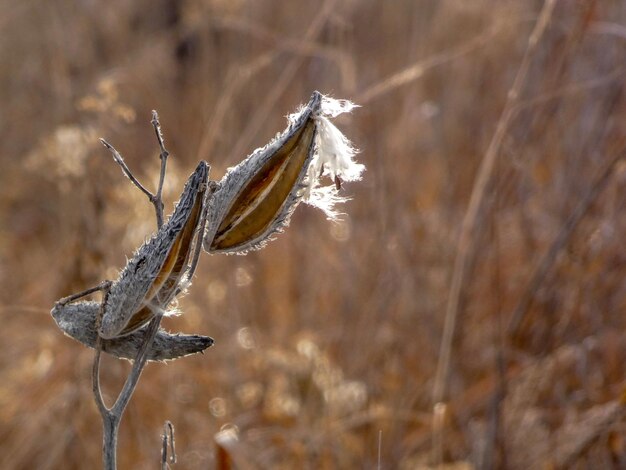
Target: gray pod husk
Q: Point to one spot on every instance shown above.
(78, 320)
(256, 198)
(128, 295)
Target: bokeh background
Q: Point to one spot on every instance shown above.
(328, 341)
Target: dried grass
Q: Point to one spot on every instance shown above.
(332, 333)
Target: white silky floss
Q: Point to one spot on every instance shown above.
(334, 157)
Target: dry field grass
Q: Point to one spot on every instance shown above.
(330, 346)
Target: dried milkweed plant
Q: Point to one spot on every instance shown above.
(244, 210)
(328, 340)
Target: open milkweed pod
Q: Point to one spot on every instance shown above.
(256, 198)
(154, 275)
(78, 320)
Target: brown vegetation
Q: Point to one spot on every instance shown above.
(330, 337)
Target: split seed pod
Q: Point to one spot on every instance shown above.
(78, 320)
(256, 198)
(153, 275)
(253, 201)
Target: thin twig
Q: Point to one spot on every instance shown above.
(163, 156)
(380, 446)
(571, 89)
(559, 242)
(439, 414)
(470, 220)
(492, 455)
(281, 84)
(340, 58)
(198, 243)
(103, 286)
(120, 161)
(164, 465)
(417, 70)
(197, 249)
(236, 79)
(155, 199)
(168, 442)
(95, 375)
(97, 391)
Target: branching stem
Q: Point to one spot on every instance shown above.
(155, 199)
(112, 417)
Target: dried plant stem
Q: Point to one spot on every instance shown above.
(158, 202)
(155, 199)
(168, 445)
(120, 161)
(112, 417)
(418, 69)
(559, 242)
(103, 286)
(380, 446)
(471, 218)
(281, 84)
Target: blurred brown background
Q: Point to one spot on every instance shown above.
(327, 341)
